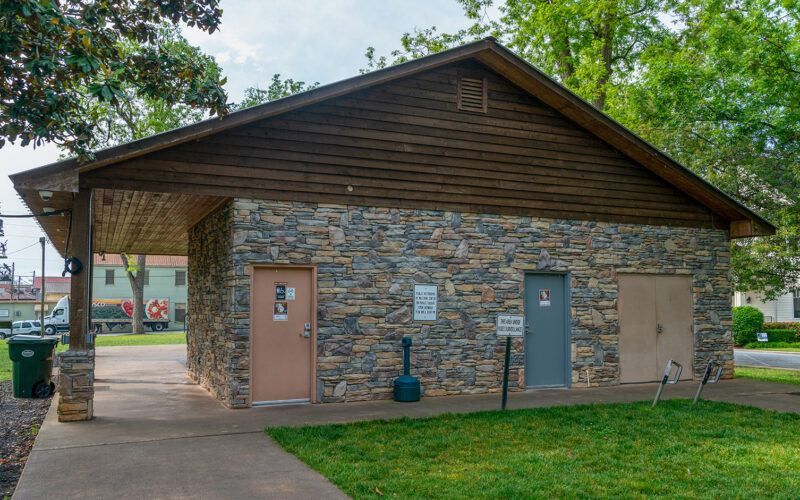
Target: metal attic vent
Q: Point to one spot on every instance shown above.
(472, 94)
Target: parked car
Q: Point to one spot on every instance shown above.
(26, 327)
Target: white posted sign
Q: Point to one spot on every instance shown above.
(425, 302)
(510, 325)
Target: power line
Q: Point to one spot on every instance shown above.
(21, 249)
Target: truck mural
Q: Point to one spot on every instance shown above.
(110, 313)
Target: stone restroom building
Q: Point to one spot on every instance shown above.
(310, 221)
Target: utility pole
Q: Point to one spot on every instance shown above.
(41, 319)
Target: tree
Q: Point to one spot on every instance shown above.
(54, 55)
(132, 116)
(277, 89)
(717, 89)
(135, 270)
(721, 96)
(590, 46)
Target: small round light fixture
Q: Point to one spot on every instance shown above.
(45, 195)
(350, 188)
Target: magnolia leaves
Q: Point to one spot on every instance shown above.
(59, 59)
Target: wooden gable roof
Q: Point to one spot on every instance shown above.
(400, 137)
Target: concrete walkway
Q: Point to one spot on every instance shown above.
(158, 435)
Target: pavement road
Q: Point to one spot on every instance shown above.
(766, 359)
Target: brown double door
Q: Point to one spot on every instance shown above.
(281, 335)
(656, 325)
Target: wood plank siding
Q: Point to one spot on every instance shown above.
(406, 144)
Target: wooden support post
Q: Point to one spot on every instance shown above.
(76, 365)
(79, 289)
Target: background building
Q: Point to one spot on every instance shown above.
(18, 305)
(55, 288)
(165, 278)
(784, 308)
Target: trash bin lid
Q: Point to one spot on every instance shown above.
(28, 339)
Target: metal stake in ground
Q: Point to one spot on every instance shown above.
(706, 377)
(665, 380)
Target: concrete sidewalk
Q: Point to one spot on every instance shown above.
(158, 435)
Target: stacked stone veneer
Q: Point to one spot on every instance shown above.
(75, 385)
(211, 341)
(369, 258)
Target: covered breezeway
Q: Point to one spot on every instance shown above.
(104, 219)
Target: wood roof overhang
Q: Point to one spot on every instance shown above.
(164, 212)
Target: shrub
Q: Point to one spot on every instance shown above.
(747, 321)
(783, 326)
(781, 335)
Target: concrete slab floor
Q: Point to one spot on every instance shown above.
(156, 434)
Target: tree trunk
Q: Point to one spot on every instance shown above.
(606, 53)
(136, 279)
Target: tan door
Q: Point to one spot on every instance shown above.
(655, 321)
(637, 325)
(675, 322)
(282, 335)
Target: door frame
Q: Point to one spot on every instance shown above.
(251, 269)
(565, 276)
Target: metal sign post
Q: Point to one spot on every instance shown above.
(509, 325)
(505, 372)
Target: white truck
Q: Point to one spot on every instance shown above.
(110, 313)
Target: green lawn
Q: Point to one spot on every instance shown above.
(769, 375)
(711, 450)
(102, 341)
(774, 346)
(148, 339)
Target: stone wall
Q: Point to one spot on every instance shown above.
(209, 342)
(75, 385)
(369, 258)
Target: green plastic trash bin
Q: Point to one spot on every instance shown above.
(32, 365)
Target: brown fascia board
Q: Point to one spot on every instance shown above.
(64, 175)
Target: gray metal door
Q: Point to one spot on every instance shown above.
(547, 339)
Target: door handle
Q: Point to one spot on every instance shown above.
(306, 331)
(660, 328)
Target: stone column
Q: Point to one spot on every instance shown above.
(75, 385)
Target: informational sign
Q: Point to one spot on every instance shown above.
(762, 337)
(281, 311)
(426, 298)
(544, 298)
(3, 313)
(290, 293)
(280, 291)
(510, 325)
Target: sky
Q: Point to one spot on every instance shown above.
(313, 41)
